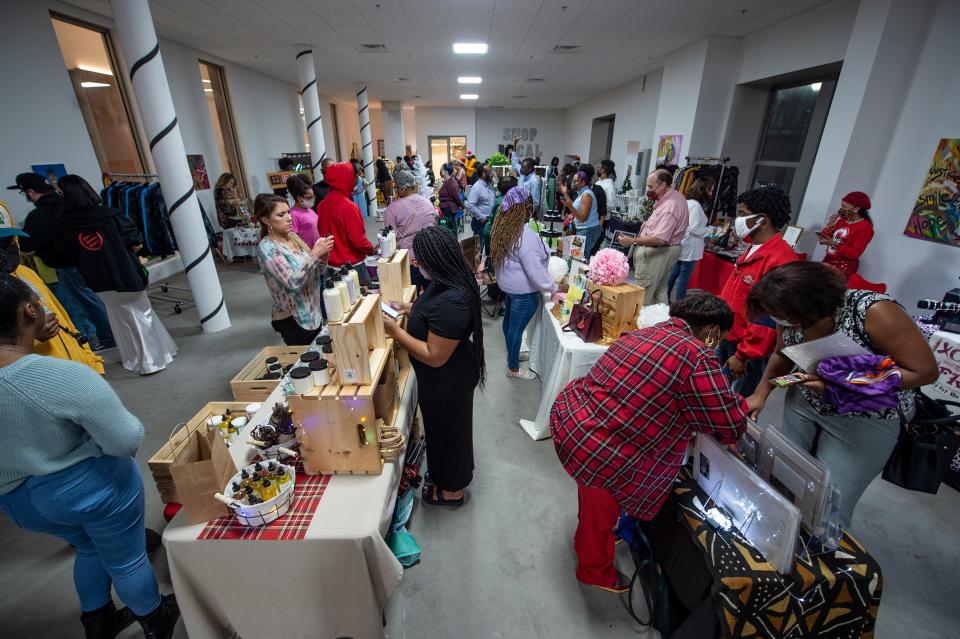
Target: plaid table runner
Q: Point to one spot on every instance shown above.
(293, 525)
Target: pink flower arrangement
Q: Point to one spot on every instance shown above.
(609, 267)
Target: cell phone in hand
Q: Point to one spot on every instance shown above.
(785, 381)
(389, 310)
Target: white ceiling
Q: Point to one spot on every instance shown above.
(621, 40)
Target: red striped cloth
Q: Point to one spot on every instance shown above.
(293, 525)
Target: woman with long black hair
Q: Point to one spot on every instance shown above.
(448, 363)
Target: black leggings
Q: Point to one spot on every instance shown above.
(292, 333)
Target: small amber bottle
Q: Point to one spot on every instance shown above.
(271, 470)
(282, 477)
(251, 495)
(268, 490)
(245, 478)
(238, 492)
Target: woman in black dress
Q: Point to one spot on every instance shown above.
(448, 363)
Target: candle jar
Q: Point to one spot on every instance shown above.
(329, 355)
(302, 382)
(308, 357)
(320, 372)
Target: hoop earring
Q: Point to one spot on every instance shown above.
(711, 342)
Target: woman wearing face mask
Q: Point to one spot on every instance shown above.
(761, 213)
(293, 271)
(449, 195)
(302, 215)
(810, 300)
(847, 233)
(586, 216)
(408, 214)
(622, 429)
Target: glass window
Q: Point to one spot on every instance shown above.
(215, 89)
(89, 62)
(790, 113)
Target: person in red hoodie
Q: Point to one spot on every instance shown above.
(761, 213)
(338, 216)
(848, 232)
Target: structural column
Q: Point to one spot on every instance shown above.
(369, 175)
(393, 128)
(142, 51)
(311, 110)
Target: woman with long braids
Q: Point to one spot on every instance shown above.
(520, 261)
(448, 363)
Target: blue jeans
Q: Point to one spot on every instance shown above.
(96, 505)
(84, 307)
(751, 378)
(519, 310)
(680, 275)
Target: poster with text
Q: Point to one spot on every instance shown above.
(668, 150)
(936, 212)
(198, 170)
(50, 172)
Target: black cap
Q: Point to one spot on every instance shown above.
(33, 181)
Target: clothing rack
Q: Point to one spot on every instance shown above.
(132, 175)
(714, 161)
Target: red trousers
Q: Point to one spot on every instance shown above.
(594, 540)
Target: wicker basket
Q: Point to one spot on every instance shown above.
(263, 513)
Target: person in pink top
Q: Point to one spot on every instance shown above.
(408, 214)
(660, 236)
(302, 213)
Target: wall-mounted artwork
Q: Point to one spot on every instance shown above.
(936, 212)
(198, 171)
(668, 150)
(50, 172)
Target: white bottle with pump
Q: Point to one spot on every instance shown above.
(352, 290)
(341, 287)
(385, 251)
(332, 302)
(355, 278)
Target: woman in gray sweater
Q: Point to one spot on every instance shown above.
(67, 469)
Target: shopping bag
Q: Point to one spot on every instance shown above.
(201, 468)
(586, 321)
(925, 447)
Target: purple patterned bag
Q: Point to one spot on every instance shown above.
(858, 383)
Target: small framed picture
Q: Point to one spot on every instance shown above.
(791, 235)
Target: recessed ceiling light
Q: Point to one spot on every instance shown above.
(470, 47)
(91, 85)
(469, 96)
(469, 79)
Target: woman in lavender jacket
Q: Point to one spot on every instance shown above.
(520, 261)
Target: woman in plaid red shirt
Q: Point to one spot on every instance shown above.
(621, 430)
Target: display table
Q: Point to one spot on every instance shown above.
(728, 589)
(557, 357)
(240, 241)
(333, 583)
(711, 273)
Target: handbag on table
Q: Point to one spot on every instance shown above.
(925, 447)
(585, 320)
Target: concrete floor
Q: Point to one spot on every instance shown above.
(501, 566)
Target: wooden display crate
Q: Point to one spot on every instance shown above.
(355, 337)
(160, 462)
(247, 388)
(394, 275)
(337, 423)
(619, 307)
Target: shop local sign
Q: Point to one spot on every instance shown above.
(526, 147)
(946, 348)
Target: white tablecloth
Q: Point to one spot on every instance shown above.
(240, 242)
(557, 357)
(333, 583)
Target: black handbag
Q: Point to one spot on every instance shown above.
(925, 447)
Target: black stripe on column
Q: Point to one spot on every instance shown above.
(364, 126)
(309, 84)
(312, 122)
(361, 91)
(147, 58)
(203, 320)
(323, 156)
(303, 53)
(159, 136)
(177, 204)
(360, 112)
(198, 260)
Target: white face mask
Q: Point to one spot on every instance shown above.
(783, 323)
(741, 227)
(308, 204)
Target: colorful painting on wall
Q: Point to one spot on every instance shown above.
(198, 170)
(936, 212)
(668, 150)
(51, 172)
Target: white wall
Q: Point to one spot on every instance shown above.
(813, 38)
(444, 121)
(546, 126)
(41, 122)
(635, 106)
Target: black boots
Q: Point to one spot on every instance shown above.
(160, 623)
(106, 622)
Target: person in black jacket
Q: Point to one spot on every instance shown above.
(102, 243)
(321, 188)
(82, 305)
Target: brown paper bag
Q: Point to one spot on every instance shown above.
(202, 467)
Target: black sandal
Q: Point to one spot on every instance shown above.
(433, 495)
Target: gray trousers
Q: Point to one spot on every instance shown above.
(652, 266)
(853, 448)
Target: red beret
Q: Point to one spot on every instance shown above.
(859, 199)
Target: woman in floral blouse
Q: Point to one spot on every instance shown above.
(294, 271)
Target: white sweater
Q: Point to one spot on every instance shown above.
(691, 248)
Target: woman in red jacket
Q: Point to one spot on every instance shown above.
(848, 232)
(761, 213)
(337, 215)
